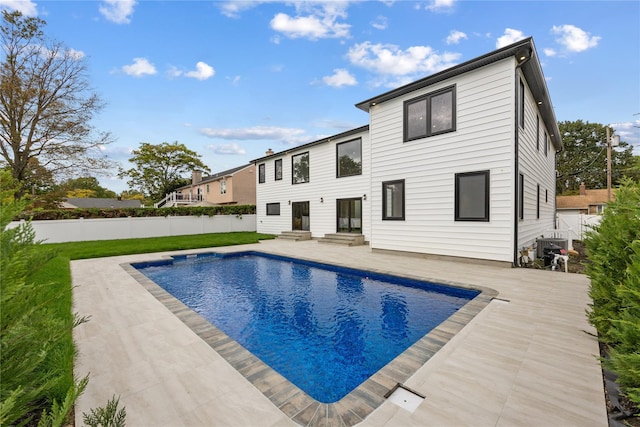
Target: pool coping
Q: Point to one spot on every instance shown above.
(292, 401)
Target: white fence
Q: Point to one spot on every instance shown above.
(78, 230)
(577, 224)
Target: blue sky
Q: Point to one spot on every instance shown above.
(230, 79)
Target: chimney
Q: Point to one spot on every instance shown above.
(583, 190)
(196, 176)
(270, 152)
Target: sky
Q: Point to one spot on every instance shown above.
(231, 79)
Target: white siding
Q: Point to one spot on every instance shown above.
(483, 140)
(538, 169)
(322, 184)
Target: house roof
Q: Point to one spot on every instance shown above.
(94, 202)
(319, 141)
(217, 176)
(531, 69)
(590, 198)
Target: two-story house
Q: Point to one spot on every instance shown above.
(458, 164)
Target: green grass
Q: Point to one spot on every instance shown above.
(106, 248)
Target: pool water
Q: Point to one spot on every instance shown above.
(325, 328)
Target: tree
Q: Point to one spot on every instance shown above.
(46, 105)
(160, 169)
(584, 158)
(87, 187)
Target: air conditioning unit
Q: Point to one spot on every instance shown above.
(544, 242)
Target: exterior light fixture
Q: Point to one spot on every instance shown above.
(289, 201)
(364, 197)
(321, 199)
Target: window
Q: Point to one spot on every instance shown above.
(521, 104)
(431, 114)
(300, 168)
(521, 197)
(278, 167)
(349, 156)
(472, 196)
(546, 144)
(273, 208)
(538, 203)
(261, 173)
(393, 200)
(546, 196)
(538, 133)
(207, 188)
(223, 187)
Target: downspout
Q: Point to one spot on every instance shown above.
(516, 218)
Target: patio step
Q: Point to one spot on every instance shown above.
(347, 239)
(295, 235)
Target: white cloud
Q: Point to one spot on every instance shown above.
(203, 71)
(574, 39)
(340, 77)
(118, 11)
(139, 68)
(235, 80)
(455, 36)
(440, 5)
(314, 20)
(380, 23)
(630, 133)
(233, 9)
(388, 59)
(549, 52)
(26, 7)
(510, 36)
(287, 135)
(228, 149)
(75, 54)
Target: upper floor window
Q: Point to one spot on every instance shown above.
(538, 133)
(546, 144)
(430, 114)
(393, 200)
(261, 173)
(278, 168)
(300, 168)
(472, 196)
(223, 187)
(349, 158)
(521, 109)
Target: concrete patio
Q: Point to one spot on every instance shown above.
(527, 359)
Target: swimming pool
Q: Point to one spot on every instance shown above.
(327, 329)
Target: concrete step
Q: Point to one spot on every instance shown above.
(295, 235)
(346, 239)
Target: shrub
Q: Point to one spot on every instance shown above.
(614, 269)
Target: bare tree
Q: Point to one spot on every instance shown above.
(46, 105)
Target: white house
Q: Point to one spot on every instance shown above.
(458, 164)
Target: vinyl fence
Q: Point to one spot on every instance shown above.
(78, 230)
(577, 224)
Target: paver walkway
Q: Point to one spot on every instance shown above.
(527, 359)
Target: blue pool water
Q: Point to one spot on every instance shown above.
(325, 328)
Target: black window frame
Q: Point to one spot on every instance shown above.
(546, 196)
(521, 104)
(384, 200)
(546, 144)
(427, 98)
(276, 170)
(338, 175)
(487, 194)
(293, 175)
(521, 196)
(537, 133)
(273, 205)
(538, 202)
(262, 173)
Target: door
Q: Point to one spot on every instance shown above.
(300, 213)
(349, 218)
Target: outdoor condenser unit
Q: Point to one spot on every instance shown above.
(547, 241)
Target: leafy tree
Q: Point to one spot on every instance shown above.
(301, 168)
(584, 158)
(46, 105)
(348, 166)
(87, 187)
(160, 169)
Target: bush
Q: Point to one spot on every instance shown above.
(51, 214)
(614, 253)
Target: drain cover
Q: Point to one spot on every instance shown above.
(406, 399)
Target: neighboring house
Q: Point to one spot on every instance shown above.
(457, 164)
(94, 202)
(588, 202)
(235, 186)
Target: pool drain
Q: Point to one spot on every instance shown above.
(405, 398)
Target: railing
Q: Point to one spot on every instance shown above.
(178, 199)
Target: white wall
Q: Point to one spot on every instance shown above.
(78, 230)
(483, 140)
(322, 184)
